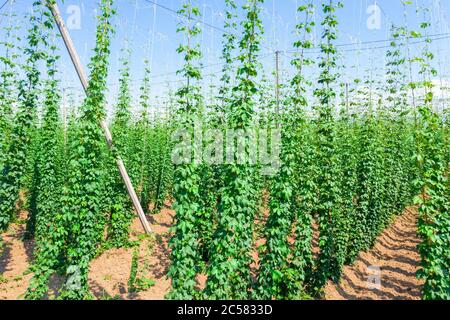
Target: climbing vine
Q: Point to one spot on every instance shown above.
(82, 209)
(45, 222)
(229, 267)
(121, 211)
(184, 243)
(278, 278)
(17, 156)
(331, 258)
(432, 161)
(8, 87)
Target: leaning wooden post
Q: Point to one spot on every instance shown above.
(84, 82)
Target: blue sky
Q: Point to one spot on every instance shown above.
(151, 31)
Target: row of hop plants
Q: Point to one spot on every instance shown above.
(345, 170)
(64, 175)
(432, 158)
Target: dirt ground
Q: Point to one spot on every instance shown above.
(386, 272)
(109, 273)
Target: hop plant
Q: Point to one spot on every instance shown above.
(229, 267)
(82, 214)
(17, 161)
(184, 243)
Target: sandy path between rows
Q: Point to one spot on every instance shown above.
(386, 272)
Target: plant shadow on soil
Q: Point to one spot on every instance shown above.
(396, 257)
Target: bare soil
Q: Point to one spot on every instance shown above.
(387, 272)
(394, 261)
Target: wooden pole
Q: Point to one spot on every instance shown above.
(84, 82)
(347, 103)
(277, 85)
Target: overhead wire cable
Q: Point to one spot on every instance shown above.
(195, 19)
(4, 4)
